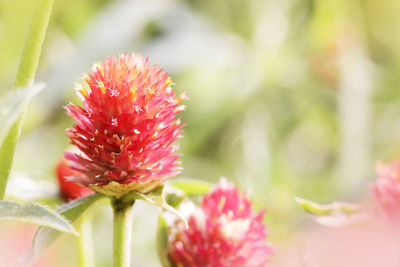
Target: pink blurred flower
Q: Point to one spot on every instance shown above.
(361, 243)
(223, 231)
(386, 190)
(126, 127)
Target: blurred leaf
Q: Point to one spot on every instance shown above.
(34, 213)
(173, 195)
(314, 208)
(177, 190)
(162, 242)
(12, 106)
(327, 209)
(31, 186)
(335, 214)
(155, 197)
(31, 51)
(192, 186)
(44, 237)
(26, 70)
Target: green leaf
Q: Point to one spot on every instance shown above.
(25, 75)
(327, 209)
(162, 242)
(314, 208)
(36, 214)
(155, 197)
(335, 214)
(33, 43)
(44, 236)
(173, 196)
(12, 105)
(191, 186)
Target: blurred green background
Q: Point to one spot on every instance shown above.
(286, 97)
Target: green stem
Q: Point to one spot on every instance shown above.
(122, 232)
(85, 241)
(25, 75)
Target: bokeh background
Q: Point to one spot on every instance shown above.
(286, 98)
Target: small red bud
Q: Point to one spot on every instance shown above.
(69, 190)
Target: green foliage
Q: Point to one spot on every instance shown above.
(327, 209)
(25, 76)
(35, 213)
(335, 214)
(44, 236)
(33, 44)
(12, 105)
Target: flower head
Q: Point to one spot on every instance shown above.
(69, 190)
(126, 127)
(386, 190)
(223, 231)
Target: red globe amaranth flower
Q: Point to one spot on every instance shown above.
(386, 190)
(223, 231)
(69, 190)
(126, 127)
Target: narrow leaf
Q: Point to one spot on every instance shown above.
(12, 105)
(191, 186)
(335, 214)
(44, 236)
(314, 208)
(36, 214)
(327, 209)
(33, 43)
(25, 75)
(155, 197)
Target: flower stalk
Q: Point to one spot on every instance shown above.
(85, 241)
(122, 232)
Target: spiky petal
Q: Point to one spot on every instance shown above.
(126, 127)
(223, 232)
